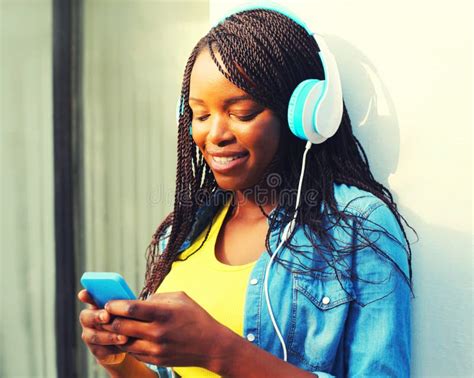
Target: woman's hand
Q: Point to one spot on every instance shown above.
(168, 329)
(102, 343)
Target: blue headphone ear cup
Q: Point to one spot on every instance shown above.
(295, 109)
(304, 102)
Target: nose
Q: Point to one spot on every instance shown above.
(219, 132)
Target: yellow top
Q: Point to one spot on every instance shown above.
(219, 288)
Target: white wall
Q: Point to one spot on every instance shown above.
(406, 69)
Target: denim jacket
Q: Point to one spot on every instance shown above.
(333, 326)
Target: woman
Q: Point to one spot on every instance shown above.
(336, 301)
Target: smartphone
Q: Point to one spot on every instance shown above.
(106, 286)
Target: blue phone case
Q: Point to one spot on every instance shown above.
(106, 286)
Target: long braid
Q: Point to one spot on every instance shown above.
(267, 54)
(180, 220)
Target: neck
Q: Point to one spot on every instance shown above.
(247, 205)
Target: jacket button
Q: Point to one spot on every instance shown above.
(326, 300)
(250, 337)
(253, 281)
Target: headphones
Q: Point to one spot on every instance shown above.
(314, 114)
(315, 106)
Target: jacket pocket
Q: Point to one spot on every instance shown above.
(319, 309)
(325, 291)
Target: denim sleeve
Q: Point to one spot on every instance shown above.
(377, 340)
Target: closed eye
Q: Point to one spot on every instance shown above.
(203, 118)
(242, 118)
(246, 118)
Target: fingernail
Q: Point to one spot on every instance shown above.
(102, 316)
(121, 338)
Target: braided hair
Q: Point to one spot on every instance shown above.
(267, 55)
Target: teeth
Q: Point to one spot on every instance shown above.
(225, 160)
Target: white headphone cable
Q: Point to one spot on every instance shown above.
(286, 233)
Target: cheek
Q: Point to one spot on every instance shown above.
(265, 141)
(198, 137)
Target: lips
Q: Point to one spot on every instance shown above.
(226, 162)
(227, 159)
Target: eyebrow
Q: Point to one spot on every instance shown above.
(229, 101)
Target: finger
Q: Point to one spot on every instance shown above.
(93, 318)
(113, 359)
(136, 329)
(149, 359)
(91, 336)
(103, 351)
(144, 348)
(137, 309)
(85, 297)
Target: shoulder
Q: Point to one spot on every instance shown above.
(355, 200)
(378, 226)
(202, 219)
(372, 211)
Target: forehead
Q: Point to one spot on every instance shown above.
(207, 82)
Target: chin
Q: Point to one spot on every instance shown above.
(228, 184)
(233, 184)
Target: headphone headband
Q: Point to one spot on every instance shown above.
(316, 106)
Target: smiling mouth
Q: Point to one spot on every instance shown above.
(222, 164)
(225, 160)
